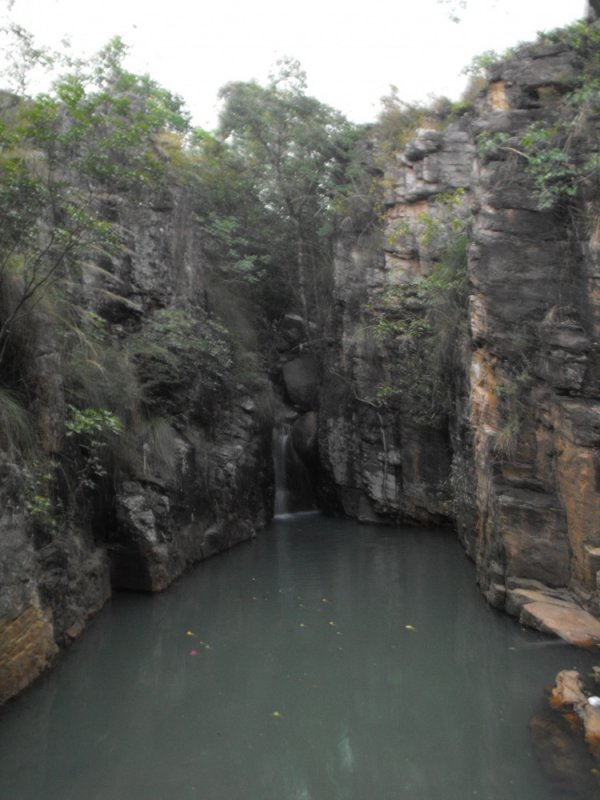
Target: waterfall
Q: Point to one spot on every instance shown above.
(293, 485)
(281, 438)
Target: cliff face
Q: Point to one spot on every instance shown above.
(189, 482)
(511, 454)
(458, 384)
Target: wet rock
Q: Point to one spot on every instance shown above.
(568, 695)
(301, 381)
(304, 437)
(562, 618)
(293, 330)
(568, 691)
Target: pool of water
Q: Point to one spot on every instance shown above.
(324, 661)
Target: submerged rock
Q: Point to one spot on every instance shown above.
(567, 742)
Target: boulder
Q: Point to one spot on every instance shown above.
(304, 436)
(293, 329)
(301, 381)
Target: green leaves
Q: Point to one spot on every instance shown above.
(92, 428)
(91, 422)
(182, 362)
(294, 152)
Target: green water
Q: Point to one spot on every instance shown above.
(301, 681)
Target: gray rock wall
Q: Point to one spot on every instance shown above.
(513, 462)
(199, 484)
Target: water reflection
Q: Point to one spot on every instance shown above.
(312, 686)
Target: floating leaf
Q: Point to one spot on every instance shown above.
(190, 633)
(331, 622)
(302, 625)
(276, 714)
(410, 627)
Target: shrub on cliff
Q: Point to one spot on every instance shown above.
(183, 363)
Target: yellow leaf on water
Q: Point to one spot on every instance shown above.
(302, 625)
(410, 627)
(276, 714)
(189, 633)
(332, 623)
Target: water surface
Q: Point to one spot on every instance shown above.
(324, 661)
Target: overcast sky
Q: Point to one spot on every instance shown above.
(352, 52)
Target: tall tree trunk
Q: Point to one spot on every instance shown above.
(301, 265)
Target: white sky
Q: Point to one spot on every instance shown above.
(352, 52)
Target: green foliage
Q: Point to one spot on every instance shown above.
(483, 62)
(554, 165)
(385, 394)
(555, 152)
(110, 118)
(92, 429)
(182, 361)
(91, 422)
(513, 395)
(294, 151)
(97, 369)
(98, 129)
(40, 502)
(396, 123)
(580, 35)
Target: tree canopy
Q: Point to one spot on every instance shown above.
(297, 152)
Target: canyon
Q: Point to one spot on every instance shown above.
(455, 380)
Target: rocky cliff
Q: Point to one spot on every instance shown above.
(463, 380)
(190, 476)
(457, 382)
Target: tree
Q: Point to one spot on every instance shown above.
(97, 130)
(296, 150)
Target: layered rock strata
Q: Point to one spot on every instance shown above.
(512, 460)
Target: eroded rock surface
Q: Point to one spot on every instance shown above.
(513, 460)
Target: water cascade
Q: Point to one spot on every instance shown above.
(293, 485)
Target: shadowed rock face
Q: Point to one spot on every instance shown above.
(515, 463)
(211, 492)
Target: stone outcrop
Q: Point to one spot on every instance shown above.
(566, 737)
(512, 459)
(375, 464)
